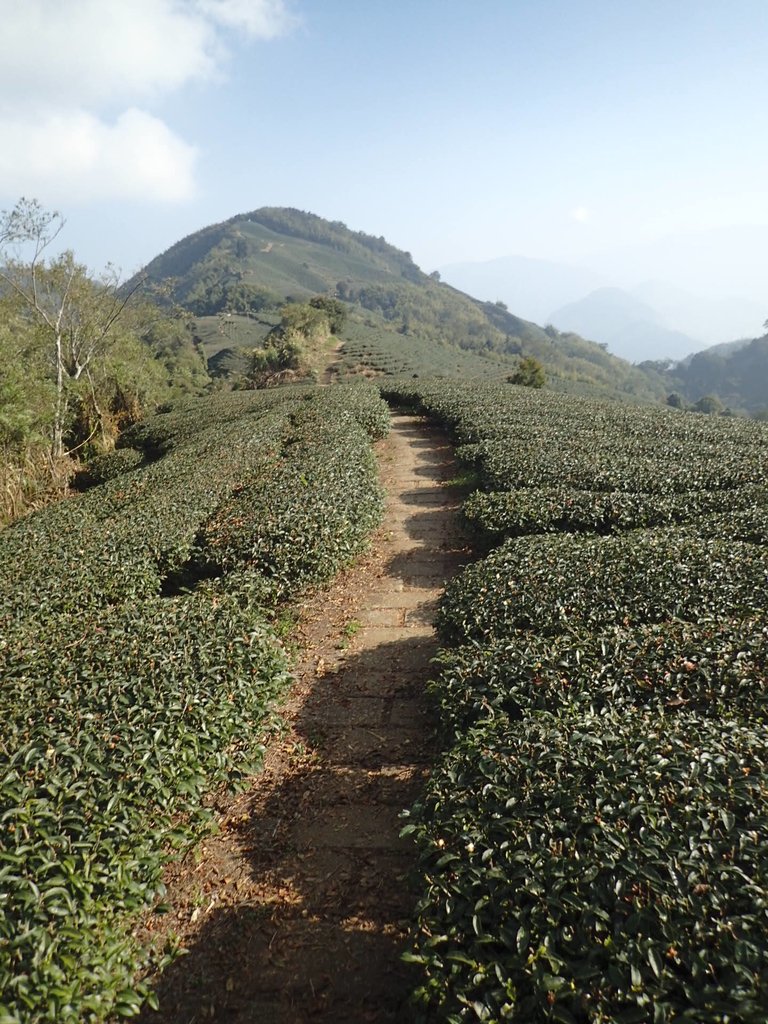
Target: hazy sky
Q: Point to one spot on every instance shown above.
(458, 130)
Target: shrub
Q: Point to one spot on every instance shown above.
(135, 680)
(597, 868)
(594, 838)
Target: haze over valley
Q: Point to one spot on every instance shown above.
(713, 292)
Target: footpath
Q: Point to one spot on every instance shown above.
(297, 910)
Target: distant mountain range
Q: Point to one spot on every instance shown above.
(711, 262)
(711, 318)
(630, 328)
(648, 321)
(531, 287)
(235, 277)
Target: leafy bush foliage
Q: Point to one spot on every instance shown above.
(529, 374)
(599, 868)
(114, 727)
(564, 510)
(140, 669)
(524, 438)
(593, 842)
(710, 667)
(551, 584)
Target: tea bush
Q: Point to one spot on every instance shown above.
(140, 669)
(310, 515)
(594, 839)
(120, 541)
(551, 583)
(519, 437)
(747, 524)
(598, 868)
(114, 727)
(710, 667)
(564, 510)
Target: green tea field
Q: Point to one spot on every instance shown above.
(140, 666)
(593, 840)
(592, 837)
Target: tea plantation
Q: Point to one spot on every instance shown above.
(140, 666)
(594, 842)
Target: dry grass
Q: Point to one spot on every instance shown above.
(29, 479)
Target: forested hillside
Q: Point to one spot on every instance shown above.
(82, 357)
(249, 265)
(736, 376)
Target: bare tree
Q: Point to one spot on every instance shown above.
(76, 316)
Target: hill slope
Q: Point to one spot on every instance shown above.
(256, 261)
(737, 374)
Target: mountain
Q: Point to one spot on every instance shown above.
(629, 327)
(736, 374)
(725, 349)
(532, 287)
(708, 285)
(246, 267)
(655, 320)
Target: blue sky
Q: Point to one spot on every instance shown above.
(458, 130)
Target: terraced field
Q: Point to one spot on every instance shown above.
(594, 839)
(141, 666)
(593, 832)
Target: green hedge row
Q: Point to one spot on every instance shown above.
(522, 438)
(602, 868)
(710, 667)
(113, 728)
(551, 583)
(140, 669)
(121, 540)
(594, 840)
(311, 514)
(564, 510)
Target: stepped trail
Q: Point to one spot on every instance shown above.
(297, 911)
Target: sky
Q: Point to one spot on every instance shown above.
(460, 130)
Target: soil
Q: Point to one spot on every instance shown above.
(298, 909)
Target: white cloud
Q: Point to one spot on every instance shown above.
(99, 51)
(73, 155)
(581, 214)
(266, 19)
(67, 67)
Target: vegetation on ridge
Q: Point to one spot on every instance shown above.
(82, 358)
(730, 376)
(277, 255)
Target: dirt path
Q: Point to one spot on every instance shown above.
(297, 911)
(331, 371)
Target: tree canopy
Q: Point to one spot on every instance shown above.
(83, 356)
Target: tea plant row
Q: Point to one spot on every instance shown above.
(595, 841)
(140, 669)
